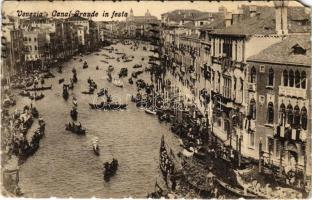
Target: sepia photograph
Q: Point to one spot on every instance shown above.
(156, 99)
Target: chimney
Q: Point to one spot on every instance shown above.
(281, 17)
(228, 19)
(253, 10)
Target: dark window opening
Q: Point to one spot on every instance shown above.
(285, 77)
(270, 113)
(271, 77)
(291, 78)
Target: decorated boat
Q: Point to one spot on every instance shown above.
(39, 88)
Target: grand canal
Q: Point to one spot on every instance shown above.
(65, 164)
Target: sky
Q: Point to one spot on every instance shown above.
(156, 8)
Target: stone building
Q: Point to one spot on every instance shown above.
(230, 48)
(279, 90)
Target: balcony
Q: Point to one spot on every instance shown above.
(290, 134)
(292, 92)
(252, 87)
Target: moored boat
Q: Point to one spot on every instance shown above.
(150, 111)
(237, 191)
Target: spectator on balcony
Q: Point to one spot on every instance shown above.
(290, 114)
(304, 118)
(253, 75)
(282, 114)
(296, 123)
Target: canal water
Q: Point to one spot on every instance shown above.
(65, 164)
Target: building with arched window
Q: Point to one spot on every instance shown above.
(282, 96)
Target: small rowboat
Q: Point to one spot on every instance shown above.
(236, 191)
(95, 147)
(149, 111)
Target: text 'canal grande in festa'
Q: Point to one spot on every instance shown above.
(203, 101)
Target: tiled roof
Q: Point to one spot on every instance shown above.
(189, 25)
(188, 15)
(282, 52)
(218, 23)
(203, 16)
(264, 23)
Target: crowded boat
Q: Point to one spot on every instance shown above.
(75, 128)
(110, 169)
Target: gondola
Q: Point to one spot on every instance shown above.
(39, 88)
(137, 66)
(87, 92)
(130, 81)
(34, 112)
(236, 191)
(65, 92)
(48, 75)
(75, 78)
(127, 60)
(101, 92)
(150, 111)
(24, 93)
(36, 97)
(110, 169)
(95, 147)
(71, 86)
(123, 72)
(118, 82)
(85, 65)
(61, 80)
(74, 114)
(75, 129)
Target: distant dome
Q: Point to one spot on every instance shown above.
(147, 14)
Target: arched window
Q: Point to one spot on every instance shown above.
(285, 77)
(253, 75)
(271, 77)
(270, 113)
(297, 79)
(304, 118)
(282, 114)
(296, 117)
(252, 108)
(291, 78)
(290, 114)
(303, 79)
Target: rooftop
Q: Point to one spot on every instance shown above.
(284, 52)
(217, 23)
(264, 22)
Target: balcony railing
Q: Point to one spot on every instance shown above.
(290, 134)
(292, 92)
